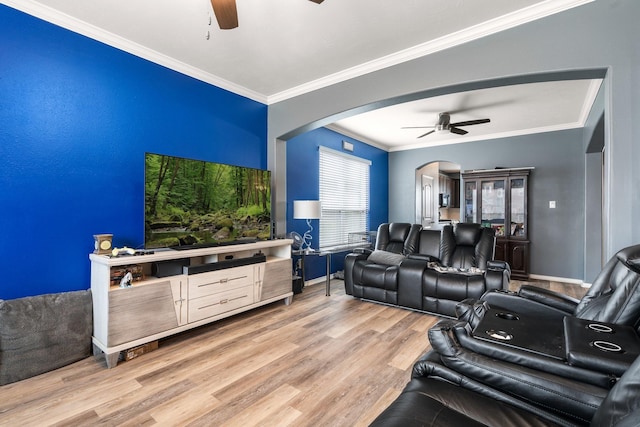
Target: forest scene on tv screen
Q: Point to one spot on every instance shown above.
(193, 202)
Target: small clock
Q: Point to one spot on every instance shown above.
(102, 244)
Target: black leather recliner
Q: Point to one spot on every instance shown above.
(613, 297)
(370, 278)
(529, 346)
(438, 396)
(467, 245)
(421, 269)
(542, 380)
(464, 246)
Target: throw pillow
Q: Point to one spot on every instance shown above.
(386, 258)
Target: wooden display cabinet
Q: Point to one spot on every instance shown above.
(497, 198)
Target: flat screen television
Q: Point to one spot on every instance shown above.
(194, 203)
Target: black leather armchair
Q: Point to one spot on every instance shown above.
(374, 275)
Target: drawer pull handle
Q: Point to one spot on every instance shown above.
(221, 281)
(222, 301)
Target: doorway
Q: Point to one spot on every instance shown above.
(437, 193)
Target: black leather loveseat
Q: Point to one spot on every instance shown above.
(425, 269)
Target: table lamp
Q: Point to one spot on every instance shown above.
(307, 209)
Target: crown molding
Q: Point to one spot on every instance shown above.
(493, 26)
(491, 136)
(81, 27)
(460, 140)
(523, 16)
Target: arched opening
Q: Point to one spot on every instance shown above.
(437, 193)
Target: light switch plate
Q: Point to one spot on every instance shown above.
(552, 204)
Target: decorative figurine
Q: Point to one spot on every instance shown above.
(126, 280)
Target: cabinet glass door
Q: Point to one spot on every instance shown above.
(518, 208)
(470, 202)
(493, 205)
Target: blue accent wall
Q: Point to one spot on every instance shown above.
(76, 117)
(303, 184)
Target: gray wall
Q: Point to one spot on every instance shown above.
(556, 234)
(593, 140)
(599, 35)
(593, 253)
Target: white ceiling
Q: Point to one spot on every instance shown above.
(513, 110)
(284, 48)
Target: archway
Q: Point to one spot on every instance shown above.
(437, 193)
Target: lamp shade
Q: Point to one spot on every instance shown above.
(307, 209)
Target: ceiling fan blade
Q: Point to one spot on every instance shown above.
(226, 13)
(471, 122)
(428, 133)
(317, 1)
(458, 131)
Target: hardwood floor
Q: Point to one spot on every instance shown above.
(322, 361)
(572, 290)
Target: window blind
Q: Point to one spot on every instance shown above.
(344, 193)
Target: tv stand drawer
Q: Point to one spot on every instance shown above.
(210, 283)
(211, 305)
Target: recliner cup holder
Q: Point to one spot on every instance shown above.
(499, 335)
(607, 346)
(507, 316)
(600, 328)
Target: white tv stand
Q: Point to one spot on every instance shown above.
(156, 307)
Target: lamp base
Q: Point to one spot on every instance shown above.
(306, 238)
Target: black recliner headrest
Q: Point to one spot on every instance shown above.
(398, 231)
(467, 234)
(630, 257)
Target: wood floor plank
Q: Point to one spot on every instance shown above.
(266, 408)
(405, 354)
(285, 417)
(386, 319)
(187, 406)
(353, 320)
(321, 361)
(70, 403)
(246, 366)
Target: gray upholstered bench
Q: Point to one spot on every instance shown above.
(43, 332)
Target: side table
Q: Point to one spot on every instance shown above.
(326, 252)
(304, 253)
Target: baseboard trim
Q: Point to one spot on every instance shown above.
(317, 281)
(560, 279)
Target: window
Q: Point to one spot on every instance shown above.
(344, 193)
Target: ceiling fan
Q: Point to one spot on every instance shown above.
(227, 13)
(444, 124)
